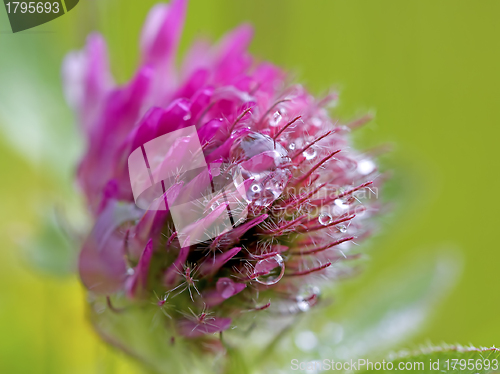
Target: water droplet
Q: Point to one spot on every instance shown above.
(275, 121)
(303, 305)
(342, 228)
(265, 157)
(256, 188)
(309, 153)
(187, 116)
(226, 287)
(255, 143)
(254, 192)
(130, 271)
(307, 298)
(324, 219)
(272, 268)
(340, 203)
(365, 167)
(291, 146)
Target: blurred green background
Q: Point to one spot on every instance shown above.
(427, 69)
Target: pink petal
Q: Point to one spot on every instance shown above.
(232, 56)
(223, 150)
(193, 84)
(162, 31)
(176, 116)
(101, 263)
(120, 113)
(262, 162)
(140, 277)
(198, 57)
(159, 41)
(225, 288)
(211, 265)
(87, 79)
(151, 223)
(199, 230)
(238, 232)
(209, 129)
(201, 100)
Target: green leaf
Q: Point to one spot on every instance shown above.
(387, 310)
(448, 359)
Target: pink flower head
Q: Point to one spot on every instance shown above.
(306, 190)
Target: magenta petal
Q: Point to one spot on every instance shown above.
(194, 329)
(225, 288)
(211, 264)
(241, 229)
(110, 193)
(101, 162)
(208, 130)
(102, 264)
(201, 100)
(223, 150)
(145, 131)
(151, 223)
(198, 57)
(263, 161)
(176, 116)
(195, 82)
(233, 59)
(267, 76)
(162, 31)
(140, 277)
(198, 230)
(87, 79)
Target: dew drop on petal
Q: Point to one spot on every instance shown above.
(365, 167)
(255, 143)
(324, 219)
(303, 305)
(187, 116)
(255, 188)
(291, 146)
(226, 287)
(342, 228)
(276, 119)
(307, 298)
(309, 153)
(340, 203)
(272, 268)
(268, 182)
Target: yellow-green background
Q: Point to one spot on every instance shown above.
(428, 69)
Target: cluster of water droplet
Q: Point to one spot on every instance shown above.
(270, 270)
(263, 167)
